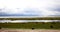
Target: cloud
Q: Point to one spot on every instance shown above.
(30, 7)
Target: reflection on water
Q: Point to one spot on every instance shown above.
(15, 21)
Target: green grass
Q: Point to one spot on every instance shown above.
(29, 25)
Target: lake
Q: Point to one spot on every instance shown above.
(15, 21)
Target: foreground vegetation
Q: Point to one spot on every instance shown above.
(30, 25)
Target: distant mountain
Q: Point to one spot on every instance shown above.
(4, 14)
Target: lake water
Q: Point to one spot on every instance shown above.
(15, 21)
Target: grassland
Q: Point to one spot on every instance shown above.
(30, 25)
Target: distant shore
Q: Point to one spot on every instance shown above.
(26, 16)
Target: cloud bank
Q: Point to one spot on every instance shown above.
(29, 7)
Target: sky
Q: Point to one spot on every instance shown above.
(29, 7)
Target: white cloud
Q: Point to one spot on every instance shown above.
(38, 6)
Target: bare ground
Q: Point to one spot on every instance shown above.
(28, 30)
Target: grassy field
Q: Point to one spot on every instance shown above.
(30, 25)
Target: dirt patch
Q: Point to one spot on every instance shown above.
(28, 30)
